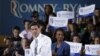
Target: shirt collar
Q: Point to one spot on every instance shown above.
(39, 36)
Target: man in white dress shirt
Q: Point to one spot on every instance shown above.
(41, 44)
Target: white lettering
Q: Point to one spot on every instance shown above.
(24, 8)
(66, 7)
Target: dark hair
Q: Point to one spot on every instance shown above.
(35, 14)
(26, 40)
(96, 37)
(74, 36)
(59, 29)
(97, 8)
(26, 21)
(35, 24)
(9, 38)
(16, 27)
(48, 5)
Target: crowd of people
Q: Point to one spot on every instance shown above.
(51, 42)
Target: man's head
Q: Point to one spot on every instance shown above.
(76, 38)
(35, 16)
(35, 29)
(15, 31)
(26, 24)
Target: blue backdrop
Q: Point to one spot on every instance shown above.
(13, 12)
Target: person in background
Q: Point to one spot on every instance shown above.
(16, 31)
(26, 33)
(97, 15)
(48, 11)
(41, 44)
(76, 38)
(60, 48)
(96, 40)
(49, 30)
(9, 50)
(35, 18)
(73, 28)
(97, 12)
(16, 38)
(24, 45)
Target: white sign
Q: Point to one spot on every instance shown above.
(67, 14)
(87, 10)
(58, 21)
(27, 52)
(91, 49)
(74, 47)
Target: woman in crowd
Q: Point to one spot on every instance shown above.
(60, 48)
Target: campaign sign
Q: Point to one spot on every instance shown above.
(57, 22)
(75, 48)
(91, 50)
(86, 11)
(66, 14)
(27, 52)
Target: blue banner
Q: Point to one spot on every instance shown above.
(75, 54)
(13, 12)
(51, 28)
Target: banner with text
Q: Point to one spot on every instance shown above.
(27, 52)
(91, 50)
(86, 11)
(13, 12)
(75, 48)
(58, 22)
(66, 14)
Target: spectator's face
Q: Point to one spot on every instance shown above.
(59, 36)
(8, 42)
(90, 27)
(24, 43)
(35, 30)
(26, 25)
(97, 12)
(16, 33)
(76, 39)
(48, 10)
(96, 41)
(71, 27)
